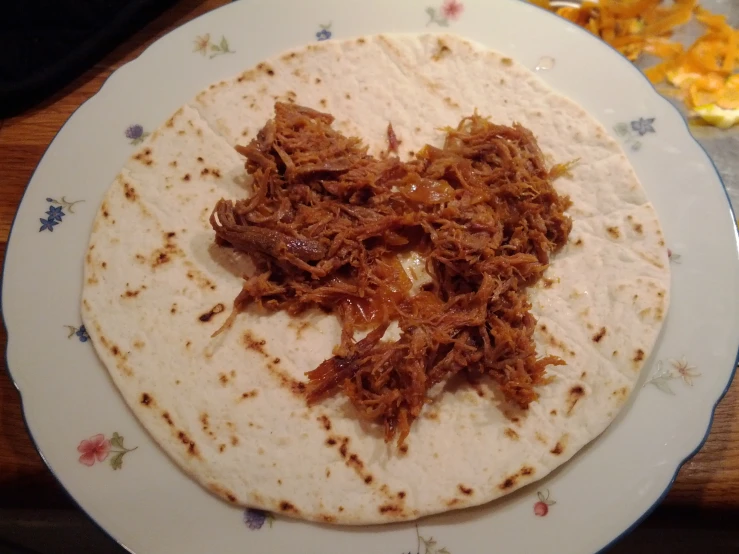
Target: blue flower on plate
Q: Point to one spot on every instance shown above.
(134, 131)
(255, 519)
(136, 134)
(82, 334)
(324, 33)
(643, 126)
(55, 213)
(47, 224)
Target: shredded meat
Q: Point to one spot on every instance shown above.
(327, 222)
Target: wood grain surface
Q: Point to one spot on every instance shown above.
(707, 483)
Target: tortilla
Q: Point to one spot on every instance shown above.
(230, 410)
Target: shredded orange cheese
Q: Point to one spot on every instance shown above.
(704, 75)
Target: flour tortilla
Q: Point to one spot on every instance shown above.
(229, 410)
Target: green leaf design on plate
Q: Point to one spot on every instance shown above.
(116, 440)
(221, 48)
(116, 462)
(118, 450)
(621, 129)
(140, 139)
(430, 545)
(663, 384)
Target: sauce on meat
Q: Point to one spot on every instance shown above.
(328, 222)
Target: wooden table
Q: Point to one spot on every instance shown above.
(707, 483)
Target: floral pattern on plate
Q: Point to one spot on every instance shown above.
(430, 545)
(97, 449)
(203, 45)
(56, 213)
(80, 332)
(255, 519)
(541, 507)
(450, 10)
(136, 134)
(677, 369)
(325, 32)
(631, 132)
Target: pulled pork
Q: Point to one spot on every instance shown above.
(325, 227)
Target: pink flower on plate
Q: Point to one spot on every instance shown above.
(452, 9)
(202, 43)
(541, 508)
(94, 448)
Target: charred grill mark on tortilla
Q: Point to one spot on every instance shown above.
(511, 434)
(465, 490)
(511, 481)
(254, 343)
(621, 394)
(325, 422)
(391, 509)
(222, 492)
(143, 156)
(217, 309)
(129, 192)
(442, 50)
(599, 335)
(573, 396)
(132, 293)
(559, 448)
(192, 448)
(258, 345)
(353, 461)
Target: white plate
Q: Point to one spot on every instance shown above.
(133, 490)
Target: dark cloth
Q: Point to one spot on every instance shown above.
(44, 44)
